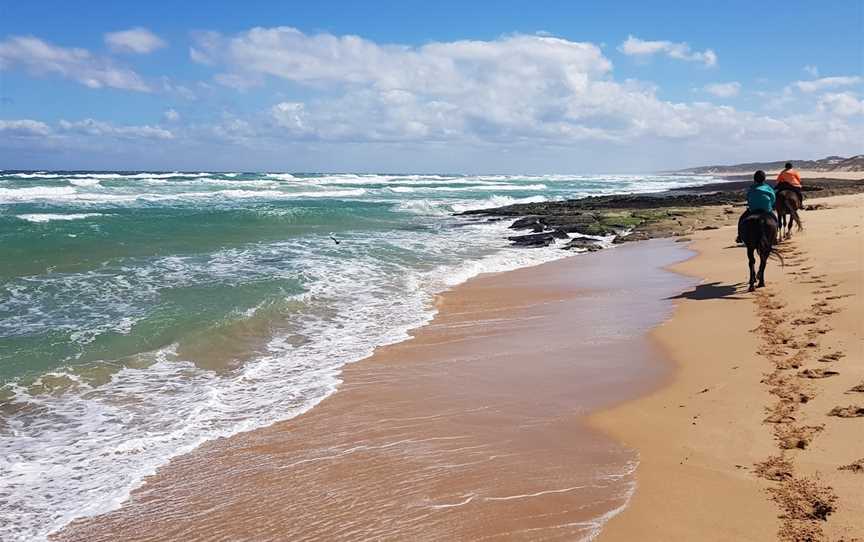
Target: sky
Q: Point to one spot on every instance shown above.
(417, 86)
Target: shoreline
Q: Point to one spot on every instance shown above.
(524, 460)
(543, 264)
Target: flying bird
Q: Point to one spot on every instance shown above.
(334, 239)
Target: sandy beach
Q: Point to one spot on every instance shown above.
(430, 271)
(744, 394)
(475, 429)
(472, 430)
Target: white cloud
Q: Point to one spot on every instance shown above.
(288, 53)
(24, 128)
(844, 104)
(527, 90)
(811, 70)
(40, 57)
(778, 100)
(816, 85)
(518, 86)
(634, 46)
(135, 40)
(171, 115)
(182, 91)
(99, 128)
(290, 115)
(723, 90)
(521, 93)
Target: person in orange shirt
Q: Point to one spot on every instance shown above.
(788, 179)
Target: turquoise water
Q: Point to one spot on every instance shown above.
(142, 314)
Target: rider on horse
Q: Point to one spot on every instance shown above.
(788, 179)
(760, 199)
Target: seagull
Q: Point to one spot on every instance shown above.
(334, 239)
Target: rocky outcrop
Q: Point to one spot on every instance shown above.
(543, 239)
(584, 243)
(674, 213)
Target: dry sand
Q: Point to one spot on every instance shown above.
(745, 444)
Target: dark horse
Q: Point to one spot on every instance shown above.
(787, 206)
(759, 232)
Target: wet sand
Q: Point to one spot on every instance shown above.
(472, 430)
(747, 442)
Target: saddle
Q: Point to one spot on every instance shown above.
(786, 187)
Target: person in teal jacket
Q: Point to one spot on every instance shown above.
(760, 199)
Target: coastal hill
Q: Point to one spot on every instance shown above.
(829, 163)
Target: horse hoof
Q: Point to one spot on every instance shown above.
(751, 288)
(761, 285)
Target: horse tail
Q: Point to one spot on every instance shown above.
(777, 252)
(793, 210)
(766, 244)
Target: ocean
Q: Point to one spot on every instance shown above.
(144, 313)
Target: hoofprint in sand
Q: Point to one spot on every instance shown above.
(761, 434)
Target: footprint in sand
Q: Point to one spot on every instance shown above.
(833, 297)
(782, 412)
(805, 321)
(792, 437)
(817, 373)
(775, 468)
(823, 308)
(806, 504)
(851, 411)
(795, 362)
(856, 466)
(836, 356)
(792, 392)
(857, 389)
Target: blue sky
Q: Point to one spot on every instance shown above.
(427, 86)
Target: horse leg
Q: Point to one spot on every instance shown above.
(763, 259)
(751, 260)
(782, 218)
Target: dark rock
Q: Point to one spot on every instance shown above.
(537, 239)
(528, 223)
(584, 243)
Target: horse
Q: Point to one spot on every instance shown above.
(759, 233)
(787, 206)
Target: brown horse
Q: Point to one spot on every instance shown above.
(787, 206)
(759, 232)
